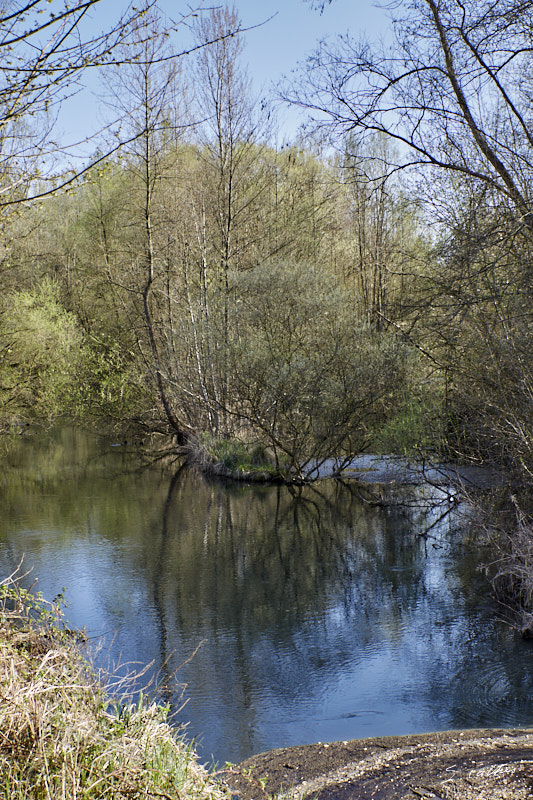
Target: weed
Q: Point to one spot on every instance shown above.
(232, 456)
(58, 738)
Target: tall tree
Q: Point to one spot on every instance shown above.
(145, 94)
(453, 90)
(229, 132)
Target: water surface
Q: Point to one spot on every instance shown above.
(316, 614)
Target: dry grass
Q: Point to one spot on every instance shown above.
(58, 739)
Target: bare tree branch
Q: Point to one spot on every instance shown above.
(454, 90)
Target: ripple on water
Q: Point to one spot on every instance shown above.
(494, 699)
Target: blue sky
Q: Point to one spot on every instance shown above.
(293, 28)
(272, 50)
(277, 46)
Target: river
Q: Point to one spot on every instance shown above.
(269, 616)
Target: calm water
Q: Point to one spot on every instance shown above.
(320, 616)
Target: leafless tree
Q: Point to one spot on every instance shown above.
(453, 90)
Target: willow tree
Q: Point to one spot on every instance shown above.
(313, 381)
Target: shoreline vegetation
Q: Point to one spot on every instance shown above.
(62, 735)
(234, 459)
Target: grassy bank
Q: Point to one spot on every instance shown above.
(235, 459)
(59, 737)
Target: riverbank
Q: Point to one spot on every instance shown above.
(62, 737)
(454, 765)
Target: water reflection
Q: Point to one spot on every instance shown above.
(323, 613)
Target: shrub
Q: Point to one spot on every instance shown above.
(308, 378)
(52, 368)
(42, 348)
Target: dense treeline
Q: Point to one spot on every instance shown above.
(272, 306)
(210, 286)
(207, 284)
(274, 333)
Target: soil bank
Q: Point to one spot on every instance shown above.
(492, 764)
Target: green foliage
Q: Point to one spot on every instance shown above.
(310, 379)
(50, 367)
(416, 429)
(42, 346)
(106, 384)
(417, 426)
(236, 456)
(478, 323)
(216, 334)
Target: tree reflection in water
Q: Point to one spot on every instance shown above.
(326, 611)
